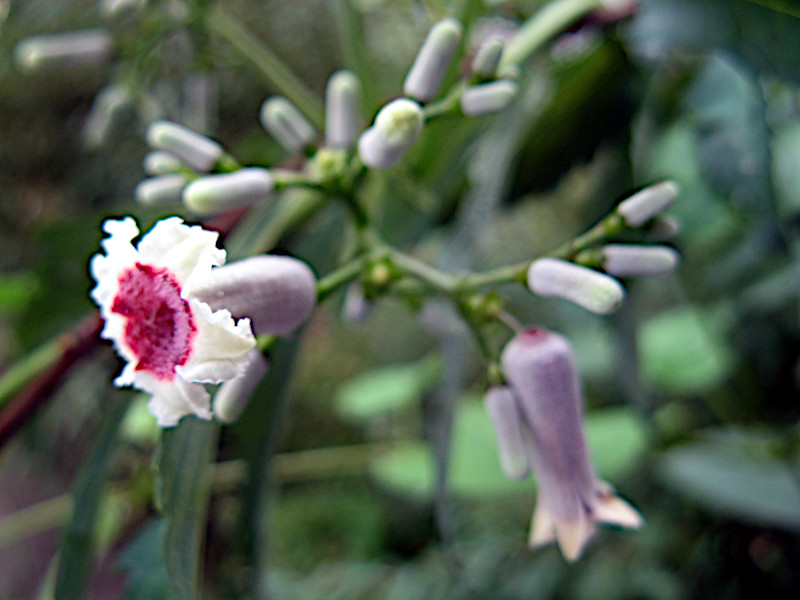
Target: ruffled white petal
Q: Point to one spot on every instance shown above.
(177, 399)
(186, 251)
(220, 345)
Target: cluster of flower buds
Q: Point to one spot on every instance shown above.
(181, 319)
(538, 422)
(598, 291)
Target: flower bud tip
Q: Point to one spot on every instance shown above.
(432, 61)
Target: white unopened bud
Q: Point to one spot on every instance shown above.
(487, 58)
(629, 260)
(397, 126)
(433, 59)
(487, 98)
(286, 124)
(343, 119)
(162, 189)
(355, 306)
(160, 162)
(233, 396)
(553, 277)
(646, 204)
(105, 107)
(213, 193)
(197, 151)
(112, 8)
(277, 293)
(85, 48)
(507, 422)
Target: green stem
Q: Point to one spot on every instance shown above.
(609, 226)
(436, 279)
(35, 519)
(334, 280)
(549, 21)
(275, 71)
(29, 367)
(447, 105)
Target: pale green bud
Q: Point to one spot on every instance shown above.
(343, 117)
(488, 98)
(197, 151)
(630, 260)
(214, 193)
(646, 204)
(160, 190)
(287, 125)
(397, 126)
(487, 58)
(160, 162)
(433, 59)
(553, 277)
(83, 48)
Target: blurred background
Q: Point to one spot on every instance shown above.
(691, 389)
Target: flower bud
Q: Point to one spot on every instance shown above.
(397, 126)
(112, 8)
(162, 189)
(486, 60)
(646, 204)
(663, 227)
(343, 120)
(507, 422)
(277, 293)
(197, 151)
(285, 123)
(487, 98)
(233, 395)
(629, 260)
(105, 107)
(553, 277)
(539, 367)
(355, 306)
(214, 193)
(159, 162)
(432, 61)
(83, 48)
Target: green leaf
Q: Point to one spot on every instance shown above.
(16, 290)
(380, 392)
(615, 438)
(731, 131)
(76, 551)
(684, 351)
(143, 562)
(730, 474)
(184, 483)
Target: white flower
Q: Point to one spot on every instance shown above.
(172, 342)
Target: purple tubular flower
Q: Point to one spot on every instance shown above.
(277, 293)
(540, 371)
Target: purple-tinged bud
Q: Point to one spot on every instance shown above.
(397, 126)
(539, 367)
(162, 189)
(277, 293)
(433, 59)
(233, 395)
(646, 204)
(214, 193)
(159, 162)
(287, 125)
(487, 58)
(343, 117)
(197, 151)
(355, 306)
(488, 98)
(553, 277)
(629, 260)
(85, 48)
(507, 421)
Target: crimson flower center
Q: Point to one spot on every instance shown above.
(159, 328)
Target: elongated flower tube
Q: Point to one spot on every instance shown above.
(286, 124)
(285, 287)
(197, 151)
(649, 202)
(88, 47)
(631, 260)
(343, 120)
(488, 98)
(553, 277)
(213, 193)
(161, 189)
(432, 61)
(397, 126)
(509, 427)
(233, 396)
(540, 371)
(172, 341)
